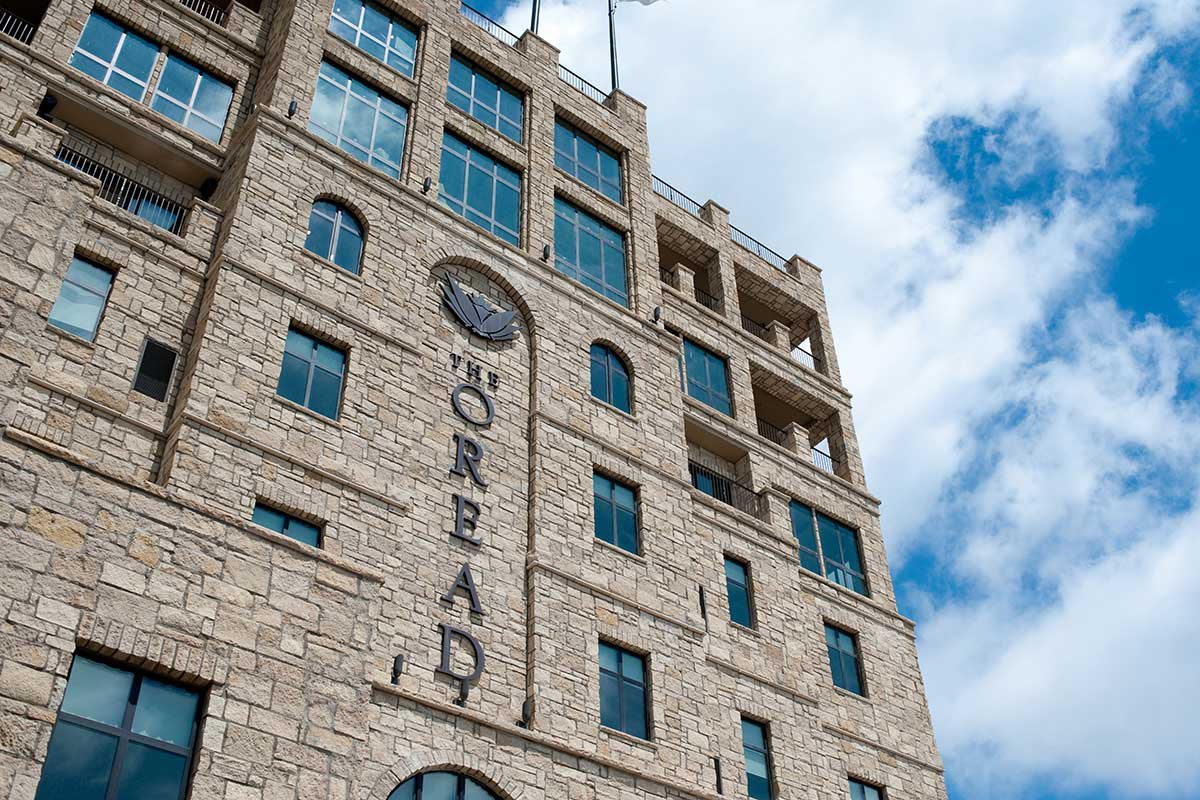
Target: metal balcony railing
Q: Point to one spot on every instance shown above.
(707, 300)
(580, 83)
(804, 358)
(751, 325)
(724, 488)
(20, 29)
(759, 249)
(210, 11)
(664, 189)
(771, 432)
(824, 461)
(667, 276)
(126, 193)
(498, 31)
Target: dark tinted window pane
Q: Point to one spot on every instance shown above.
(269, 518)
(97, 691)
(165, 712)
(737, 584)
(605, 524)
(148, 773)
(293, 378)
(154, 372)
(78, 764)
(610, 701)
(627, 533)
(439, 786)
(633, 700)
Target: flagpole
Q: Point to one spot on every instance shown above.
(537, 12)
(612, 42)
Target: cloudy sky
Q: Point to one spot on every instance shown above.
(1003, 197)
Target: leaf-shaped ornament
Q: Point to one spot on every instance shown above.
(498, 326)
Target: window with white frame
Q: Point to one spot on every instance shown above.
(377, 33)
(192, 97)
(358, 119)
(120, 58)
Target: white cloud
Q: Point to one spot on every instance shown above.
(1075, 652)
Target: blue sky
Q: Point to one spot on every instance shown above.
(1001, 195)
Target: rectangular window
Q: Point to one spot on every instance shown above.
(358, 119)
(376, 32)
(864, 791)
(311, 374)
(844, 662)
(623, 705)
(81, 299)
(485, 98)
(286, 524)
(707, 377)
(154, 370)
(737, 585)
(115, 55)
(758, 760)
(589, 251)
(615, 506)
(192, 97)
(840, 548)
(476, 186)
(583, 158)
(806, 536)
(119, 734)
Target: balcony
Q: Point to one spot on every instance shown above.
(128, 194)
(577, 81)
(212, 12)
(724, 489)
(20, 19)
(689, 266)
(780, 320)
(486, 23)
(795, 420)
(759, 249)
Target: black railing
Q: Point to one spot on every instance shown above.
(822, 460)
(19, 29)
(580, 83)
(707, 300)
(751, 325)
(664, 189)
(771, 432)
(210, 11)
(142, 201)
(667, 275)
(724, 488)
(488, 24)
(759, 249)
(802, 356)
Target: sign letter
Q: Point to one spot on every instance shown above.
(464, 460)
(466, 515)
(465, 581)
(446, 668)
(489, 407)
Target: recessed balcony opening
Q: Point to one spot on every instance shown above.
(720, 469)
(792, 419)
(215, 11)
(141, 176)
(20, 19)
(689, 265)
(779, 320)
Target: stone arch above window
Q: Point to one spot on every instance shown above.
(335, 233)
(611, 377)
(442, 785)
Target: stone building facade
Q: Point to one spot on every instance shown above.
(414, 578)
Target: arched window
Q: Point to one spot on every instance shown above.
(610, 378)
(335, 234)
(441, 786)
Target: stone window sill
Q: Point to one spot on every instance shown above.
(862, 698)
(638, 557)
(628, 737)
(70, 337)
(283, 401)
(612, 408)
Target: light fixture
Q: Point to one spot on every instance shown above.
(426, 185)
(397, 668)
(545, 252)
(293, 107)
